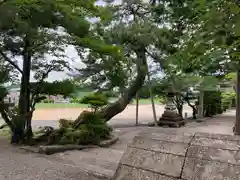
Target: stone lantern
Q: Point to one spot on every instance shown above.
(170, 117)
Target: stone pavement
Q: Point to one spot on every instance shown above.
(168, 155)
(99, 163)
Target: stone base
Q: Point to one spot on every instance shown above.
(172, 123)
(171, 119)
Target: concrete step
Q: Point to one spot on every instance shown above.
(100, 160)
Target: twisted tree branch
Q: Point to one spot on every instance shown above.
(10, 61)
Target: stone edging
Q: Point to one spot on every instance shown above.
(51, 149)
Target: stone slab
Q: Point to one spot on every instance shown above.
(173, 155)
(197, 169)
(129, 173)
(214, 154)
(216, 143)
(218, 136)
(167, 164)
(160, 146)
(170, 137)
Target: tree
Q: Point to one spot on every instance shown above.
(32, 31)
(142, 31)
(114, 70)
(213, 41)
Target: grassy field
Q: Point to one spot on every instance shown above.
(76, 105)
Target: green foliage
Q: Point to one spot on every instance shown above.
(212, 103)
(48, 101)
(213, 46)
(228, 99)
(96, 100)
(65, 88)
(4, 77)
(144, 93)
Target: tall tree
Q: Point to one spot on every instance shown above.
(143, 31)
(31, 31)
(213, 41)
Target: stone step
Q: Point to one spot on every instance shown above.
(100, 160)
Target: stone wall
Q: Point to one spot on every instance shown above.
(167, 155)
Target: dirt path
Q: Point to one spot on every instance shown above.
(72, 113)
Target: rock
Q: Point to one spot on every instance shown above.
(175, 156)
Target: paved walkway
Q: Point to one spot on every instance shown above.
(74, 165)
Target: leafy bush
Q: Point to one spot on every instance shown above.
(212, 103)
(95, 101)
(228, 98)
(48, 101)
(110, 94)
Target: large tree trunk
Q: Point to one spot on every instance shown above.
(179, 104)
(194, 109)
(115, 108)
(180, 109)
(24, 101)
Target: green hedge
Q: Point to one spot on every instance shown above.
(228, 100)
(212, 103)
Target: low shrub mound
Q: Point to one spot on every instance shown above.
(89, 128)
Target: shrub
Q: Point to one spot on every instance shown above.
(91, 132)
(228, 98)
(48, 101)
(212, 103)
(45, 101)
(95, 101)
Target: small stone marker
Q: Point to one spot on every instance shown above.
(175, 156)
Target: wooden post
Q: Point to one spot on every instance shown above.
(152, 100)
(137, 105)
(201, 97)
(185, 116)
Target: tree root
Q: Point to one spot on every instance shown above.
(51, 149)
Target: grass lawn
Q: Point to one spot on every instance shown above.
(76, 105)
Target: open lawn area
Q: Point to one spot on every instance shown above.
(77, 105)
